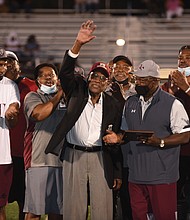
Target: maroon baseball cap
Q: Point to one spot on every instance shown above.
(101, 67)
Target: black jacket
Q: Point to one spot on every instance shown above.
(76, 90)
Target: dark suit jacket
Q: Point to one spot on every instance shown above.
(76, 90)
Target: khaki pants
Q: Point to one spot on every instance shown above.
(79, 168)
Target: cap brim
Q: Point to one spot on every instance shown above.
(140, 74)
(124, 58)
(101, 70)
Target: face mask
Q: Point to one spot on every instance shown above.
(48, 89)
(186, 70)
(142, 90)
(124, 82)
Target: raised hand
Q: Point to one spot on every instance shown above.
(84, 35)
(85, 32)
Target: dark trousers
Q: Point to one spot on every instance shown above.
(122, 207)
(183, 188)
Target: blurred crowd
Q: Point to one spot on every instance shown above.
(16, 6)
(162, 8)
(28, 51)
(116, 139)
(70, 115)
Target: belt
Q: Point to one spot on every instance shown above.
(84, 148)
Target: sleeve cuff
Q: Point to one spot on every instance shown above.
(73, 55)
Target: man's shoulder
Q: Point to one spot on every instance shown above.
(7, 81)
(109, 96)
(134, 97)
(166, 94)
(111, 99)
(26, 80)
(32, 94)
(30, 84)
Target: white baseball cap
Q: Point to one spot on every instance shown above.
(12, 55)
(148, 68)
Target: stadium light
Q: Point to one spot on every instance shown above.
(120, 42)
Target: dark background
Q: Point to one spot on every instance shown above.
(114, 4)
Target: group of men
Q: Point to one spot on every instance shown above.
(42, 103)
(74, 144)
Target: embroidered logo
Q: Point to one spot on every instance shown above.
(2, 52)
(102, 65)
(141, 67)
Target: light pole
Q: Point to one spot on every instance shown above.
(107, 5)
(60, 6)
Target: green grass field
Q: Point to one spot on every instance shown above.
(12, 212)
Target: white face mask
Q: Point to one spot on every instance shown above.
(186, 70)
(48, 89)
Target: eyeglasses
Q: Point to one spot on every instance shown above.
(95, 76)
(51, 75)
(184, 57)
(122, 67)
(145, 79)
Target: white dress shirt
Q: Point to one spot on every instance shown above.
(87, 129)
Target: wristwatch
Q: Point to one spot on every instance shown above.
(162, 143)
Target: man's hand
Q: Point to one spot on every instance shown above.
(60, 92)
(153, 141)
(84, 36)
(12, 111)
(85, 32)
(117, 184)
(180, 80)
(11, 114)
(111, 137)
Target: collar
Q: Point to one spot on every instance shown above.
(99, 100)
(141, 98)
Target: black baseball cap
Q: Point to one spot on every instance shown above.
(37, 68)
(124, 58)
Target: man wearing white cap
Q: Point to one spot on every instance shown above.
(9, 111)
(153, 161)
(25, 85)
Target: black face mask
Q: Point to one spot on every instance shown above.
(142, 90)
(124, 82)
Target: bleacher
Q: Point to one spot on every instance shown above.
(56, 33)
(146, 37)
(164, 39)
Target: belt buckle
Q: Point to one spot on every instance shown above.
(86, 148)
